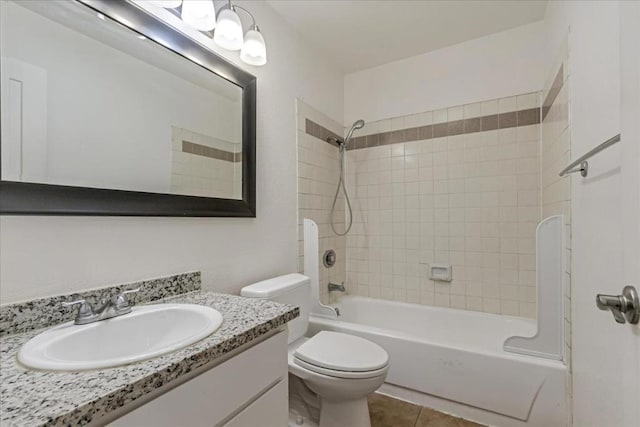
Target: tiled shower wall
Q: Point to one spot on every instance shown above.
(556, 190)
(457, 186)
(318, 172)
(555, 155)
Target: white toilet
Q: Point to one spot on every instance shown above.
(341, 369)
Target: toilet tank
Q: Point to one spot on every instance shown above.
(293, 289)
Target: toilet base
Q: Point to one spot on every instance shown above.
(296, 420)
(353, 413)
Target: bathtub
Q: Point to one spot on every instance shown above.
(457, 356)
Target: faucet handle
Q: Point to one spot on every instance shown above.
(85, 311)
(122, 301)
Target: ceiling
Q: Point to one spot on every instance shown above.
(358, 34)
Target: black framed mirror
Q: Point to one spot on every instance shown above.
(107, 110)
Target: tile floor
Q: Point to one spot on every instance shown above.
(388, 412)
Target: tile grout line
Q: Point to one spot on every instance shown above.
(415, 423)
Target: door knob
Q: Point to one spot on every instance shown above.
(623, 306)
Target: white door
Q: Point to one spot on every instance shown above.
(606, 233)
(630, 169)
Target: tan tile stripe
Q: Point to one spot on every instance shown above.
(554, 90)
(213, 153)
(457, 127)
(319, 131)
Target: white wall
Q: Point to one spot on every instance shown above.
(596, 257)
(495, 66)
(47, 255)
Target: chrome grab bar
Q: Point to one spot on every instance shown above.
(582, 164)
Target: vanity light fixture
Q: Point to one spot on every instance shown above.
(200, 14)
(254, 50)
(228, 34)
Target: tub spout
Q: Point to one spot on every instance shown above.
(335, 287)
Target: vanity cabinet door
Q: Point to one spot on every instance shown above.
(224, 392)
(270, 410)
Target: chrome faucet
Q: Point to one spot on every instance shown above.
(115, 306)
(335, 287)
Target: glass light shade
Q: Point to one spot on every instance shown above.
(228, 33)
(254, 50)
(200, 14)
(167, 4)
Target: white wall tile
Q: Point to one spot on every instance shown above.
(397, 123)
(555, 191)
(384, 125)
(527, 101)
(425, 119)
(455, 113)
(506, 105)
(472, 110)
(470, 200)
(489, 107)
(411, 121)
(440, 116)
(318, 171)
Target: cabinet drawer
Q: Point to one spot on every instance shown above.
(216, 394)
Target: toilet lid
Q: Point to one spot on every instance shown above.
(342, 352)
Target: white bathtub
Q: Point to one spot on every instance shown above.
(457, 356)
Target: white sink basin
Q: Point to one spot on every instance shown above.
(146, 332)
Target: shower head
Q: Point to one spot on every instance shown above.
(358, 124)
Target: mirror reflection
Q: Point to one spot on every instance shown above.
(87, 102)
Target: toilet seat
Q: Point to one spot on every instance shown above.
(340, 374)
(341, 355)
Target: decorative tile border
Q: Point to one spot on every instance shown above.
(320, 132)
(506, 120)
(213, 153)
(553, 92)
(40, 313)
(457, 127)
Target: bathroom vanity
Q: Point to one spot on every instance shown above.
(237, 376)
(248, 389)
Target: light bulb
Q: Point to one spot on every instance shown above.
(200, 14)
(167, 4)
(228, 33)
(254, 51)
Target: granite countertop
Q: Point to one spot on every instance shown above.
(31, 397)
